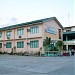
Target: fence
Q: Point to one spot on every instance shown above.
(51, 53)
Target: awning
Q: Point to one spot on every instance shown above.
(69, 33)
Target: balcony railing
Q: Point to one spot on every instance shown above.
(70, 42)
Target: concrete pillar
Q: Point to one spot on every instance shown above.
(67, 47)
(66, 38)
(66, 42)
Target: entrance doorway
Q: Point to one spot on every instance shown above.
(71, 47)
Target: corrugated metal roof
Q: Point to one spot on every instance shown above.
(70, 32)
(69, 27)
(31, 23)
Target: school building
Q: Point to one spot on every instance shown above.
(29, 36)
(69, 38)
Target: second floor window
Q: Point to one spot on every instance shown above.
(8, 33)
(0, 34)
(59, 33)
(68, 30)
(20, 32)
(34, 30)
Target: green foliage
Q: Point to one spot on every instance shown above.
(1, 52)
(47, 48)
(38, 53)
(47, 41)
(59, 44)
(54, 48)
(51, 48)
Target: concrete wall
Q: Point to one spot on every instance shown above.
(35, 49)
(3, 36)
(36, 34)
(54, 25)
(8, 49)
(73, 29)
(27, 37)
(11, 37)
(1, 49)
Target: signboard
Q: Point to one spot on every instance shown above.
(50, 30)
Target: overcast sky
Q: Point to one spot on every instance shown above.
(20, 11)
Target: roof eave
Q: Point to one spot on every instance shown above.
(58, 22)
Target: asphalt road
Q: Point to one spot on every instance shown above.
(29, 65)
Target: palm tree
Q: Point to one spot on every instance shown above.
(46, 42)
(59, 45)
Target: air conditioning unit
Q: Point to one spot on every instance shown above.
(28, 30)
(28, 43)
(20, 36)
(8, 37)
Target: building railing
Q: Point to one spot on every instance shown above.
(70, 41)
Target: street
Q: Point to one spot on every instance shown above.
(31, 65)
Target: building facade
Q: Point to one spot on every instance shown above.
(69, 38)
(29, 36)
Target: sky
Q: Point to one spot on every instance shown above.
(21, 11)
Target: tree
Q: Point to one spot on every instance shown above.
(46, 43)
(59, 44)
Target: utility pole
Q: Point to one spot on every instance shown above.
(68, 19)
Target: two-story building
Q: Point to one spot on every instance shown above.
(69, 38)
(29, 36)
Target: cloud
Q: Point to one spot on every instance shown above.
(8, 21)
(13, 20)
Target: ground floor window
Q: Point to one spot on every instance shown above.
(34, 44)
(8, 45)
(0, 45)
(20, 44)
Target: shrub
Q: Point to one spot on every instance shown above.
(38, 53)
(1, 52)
(26, 53)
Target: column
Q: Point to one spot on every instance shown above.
(67, 42)
(67, 47)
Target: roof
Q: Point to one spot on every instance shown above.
(70, 32)
(69, 27)
(31, 23)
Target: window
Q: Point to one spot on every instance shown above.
(34, 30)
(0, 34)
(20, 44)
(68, 30)
(59, 33)
(8, 45)
(8, 33)
(34, 44)
(0, 45)
(20, 32)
